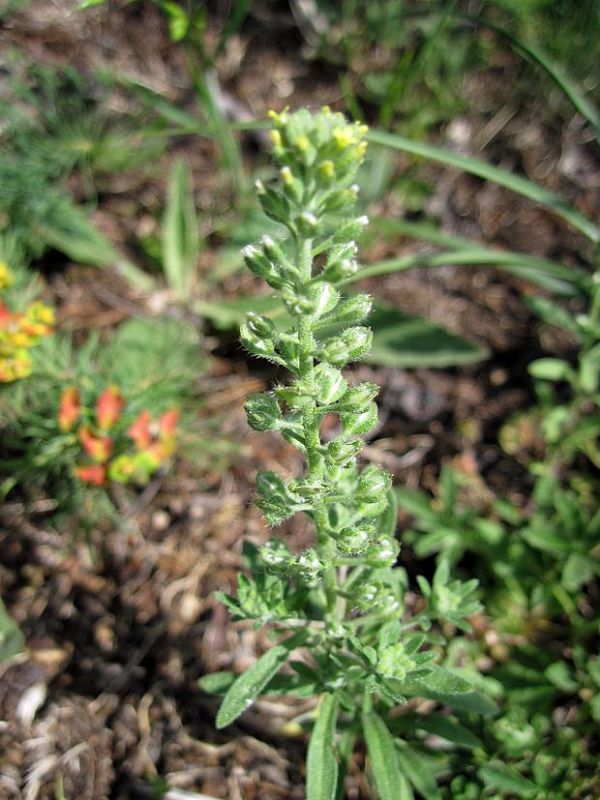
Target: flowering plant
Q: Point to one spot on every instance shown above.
(115, 447)
(19, 332)
(359, 642)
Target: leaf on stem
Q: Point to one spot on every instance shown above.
(250, 684)
(321, 766)
(382, 752)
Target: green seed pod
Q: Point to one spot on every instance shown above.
(257, 345)
(340, 199)
(352, 229)
(353, 541)
(357, 397)
(359, 422)
(341, 270)
(382, 553)
(262, 412)
(313, 302)
(260, 326)
(274, 499)
(292, 396)
(330, 384)
(373, 484)
(354, 309)
(307, 223)
(272, 250)
(350, 345)
(342, 451)
(372, 596)
(260, 265)
(308, 567)
(370, 510)
(276, 556)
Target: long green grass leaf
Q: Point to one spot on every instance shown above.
(382, 752)
(181, 244)
(321, 765)
(585, 107)
(542, 272)
(488, 172)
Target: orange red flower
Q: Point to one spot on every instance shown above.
(109, 407)
(92, 473)
(70, 408)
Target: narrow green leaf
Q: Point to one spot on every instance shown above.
(11, 637)
(321, 765)
(388, 521)
(401, 340)
(418, 770)
(450, 689)
(550, 369)
(442, 680)
(250, 684)
(493, 174)
(585, 107)
(216, 682)
(70, 232)
(505, 779)
(450, 729)
(535, 269)
(382, 752)
(542, 272)
(181, 244)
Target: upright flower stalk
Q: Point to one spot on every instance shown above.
(341, 600)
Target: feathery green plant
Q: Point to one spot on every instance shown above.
(341, 600)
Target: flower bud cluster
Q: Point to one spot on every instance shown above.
(116, 446)
(305, 568)
(318, 157)
(19, 332)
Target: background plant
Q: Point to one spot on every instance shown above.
(55, 127)
(149, 363)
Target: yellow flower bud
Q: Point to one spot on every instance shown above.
(327, 169)
(286, 175)
(6, 277)
(275, 137)
(302, 143)
(343, 137)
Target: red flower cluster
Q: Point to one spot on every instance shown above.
(117, 451)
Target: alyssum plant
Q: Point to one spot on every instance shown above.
(339, 607)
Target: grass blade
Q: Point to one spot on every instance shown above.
(585, 107)
(540, 271)
(493, 174)
(321, 765)
(181, 244)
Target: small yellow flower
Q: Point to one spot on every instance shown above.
(327, 169)
(275, 137)
(6, 276)
(343, 137)
(302, 143)
(361, 149)
(286, 175)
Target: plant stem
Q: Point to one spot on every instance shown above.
(311, 422)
